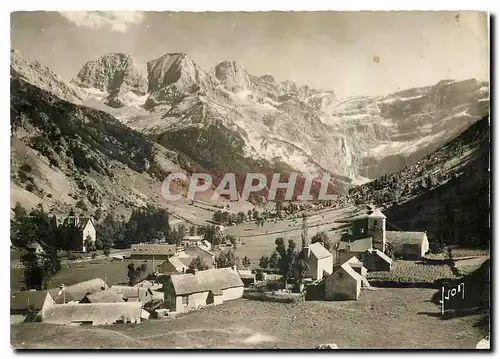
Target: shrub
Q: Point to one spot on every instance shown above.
(25, 167)
(30, 187)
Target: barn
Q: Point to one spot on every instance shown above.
(183, 292)
(408, 245)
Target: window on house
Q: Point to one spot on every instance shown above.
(185, 300)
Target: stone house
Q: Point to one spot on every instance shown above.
(343, 284)
(375, 260)
(354, 248)
(319, 260)
(408, 245)
(172, 265)
(184, 292)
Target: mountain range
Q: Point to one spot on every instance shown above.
(225, 119)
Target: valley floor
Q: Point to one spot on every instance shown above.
(382, 318)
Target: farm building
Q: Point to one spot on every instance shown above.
(191, 253)
(319, 259)
(76, 292)
(172, 265)
(196, 289)
(152, 251)
(30, 302)
(343, 284)
(375, 260)
(247, 277)
(408, 245)
(133, 294)
(95, 314)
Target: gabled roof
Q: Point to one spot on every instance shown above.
(358, 246)
(401, 237)
(131, 292)
(80, 222)
(211, 279)
(24, 300)
(351, 272)
(376, 214)
(99, 312)
(177, 264)
(106, 296)
(78, 291)
(319, 251)
(380, 254)
(150, 249)
(195, 251)
(354, 262)
(246, 274)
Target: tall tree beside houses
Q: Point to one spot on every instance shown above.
(198, 263)
(304, 234)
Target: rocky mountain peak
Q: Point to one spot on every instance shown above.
(178, 69)
(114, 73)
(233, 76)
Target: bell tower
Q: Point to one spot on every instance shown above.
(376, 229)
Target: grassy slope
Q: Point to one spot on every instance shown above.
(383, 318)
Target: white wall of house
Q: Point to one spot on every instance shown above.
(47, 304)
(232, 293)
(325, 264)
(194, 300)
(89, 230)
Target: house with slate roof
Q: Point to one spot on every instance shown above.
(196, 289)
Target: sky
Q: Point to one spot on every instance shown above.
(352, 53)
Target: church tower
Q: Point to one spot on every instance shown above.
(376, 229)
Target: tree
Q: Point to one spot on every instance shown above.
(19, 211)
(274, 260)
(322, 238)
(226, 259)
(198, 263)
(89, 244)
(246, 262)
(98, 244)
(211, 234)
(192, 231)
(304, 235)
(287, 258)
(264, 262)
(33, 272)
(249, 214)
(98, 214)
(259, 275)
(301, 268)
(241, 217)
(135, 272)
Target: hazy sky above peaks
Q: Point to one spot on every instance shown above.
(352, 53)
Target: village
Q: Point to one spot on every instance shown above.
(177, 279)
